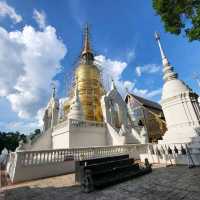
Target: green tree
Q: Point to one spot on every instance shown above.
(180, 16)
(35, 134)
(10, 140)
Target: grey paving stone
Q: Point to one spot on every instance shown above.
(171, 183)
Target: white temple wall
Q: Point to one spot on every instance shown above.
(41, 171)
(87, 137)
(60, 138)
(79, 133)
(42, 165)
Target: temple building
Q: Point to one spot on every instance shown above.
(147, 113)
(93, 123)
(92, 116)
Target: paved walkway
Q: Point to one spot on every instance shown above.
(172, 183)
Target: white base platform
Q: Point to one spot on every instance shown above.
(185, 134)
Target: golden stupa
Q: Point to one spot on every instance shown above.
(88, 78)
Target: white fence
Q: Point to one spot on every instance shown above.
(28, 165)
(172, 154)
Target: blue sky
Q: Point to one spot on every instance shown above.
(47, 36)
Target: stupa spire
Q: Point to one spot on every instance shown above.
(86, 47)
(168, 70)
(86, 54)
(157, 36)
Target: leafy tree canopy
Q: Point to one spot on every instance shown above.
(35, 134)
(10, 140)
(180, 16)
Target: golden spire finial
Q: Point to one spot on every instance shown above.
(86, 48)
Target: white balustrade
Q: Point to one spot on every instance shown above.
(27, 165)
(79, 123)
(61, 155)
(172, 153)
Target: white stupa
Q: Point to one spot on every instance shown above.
(76, 111)
(180, 106)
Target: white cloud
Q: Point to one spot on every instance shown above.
(39, 117)
(130, 55)
(40, 18)
(129, 85)
(29, 60)
(10, 62)
(147, 93)
(138, 71)
(154, 93)
(113, 69)
(25, 127)
(149, 69)
(6, 10)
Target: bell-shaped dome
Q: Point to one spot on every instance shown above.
(174, 87)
